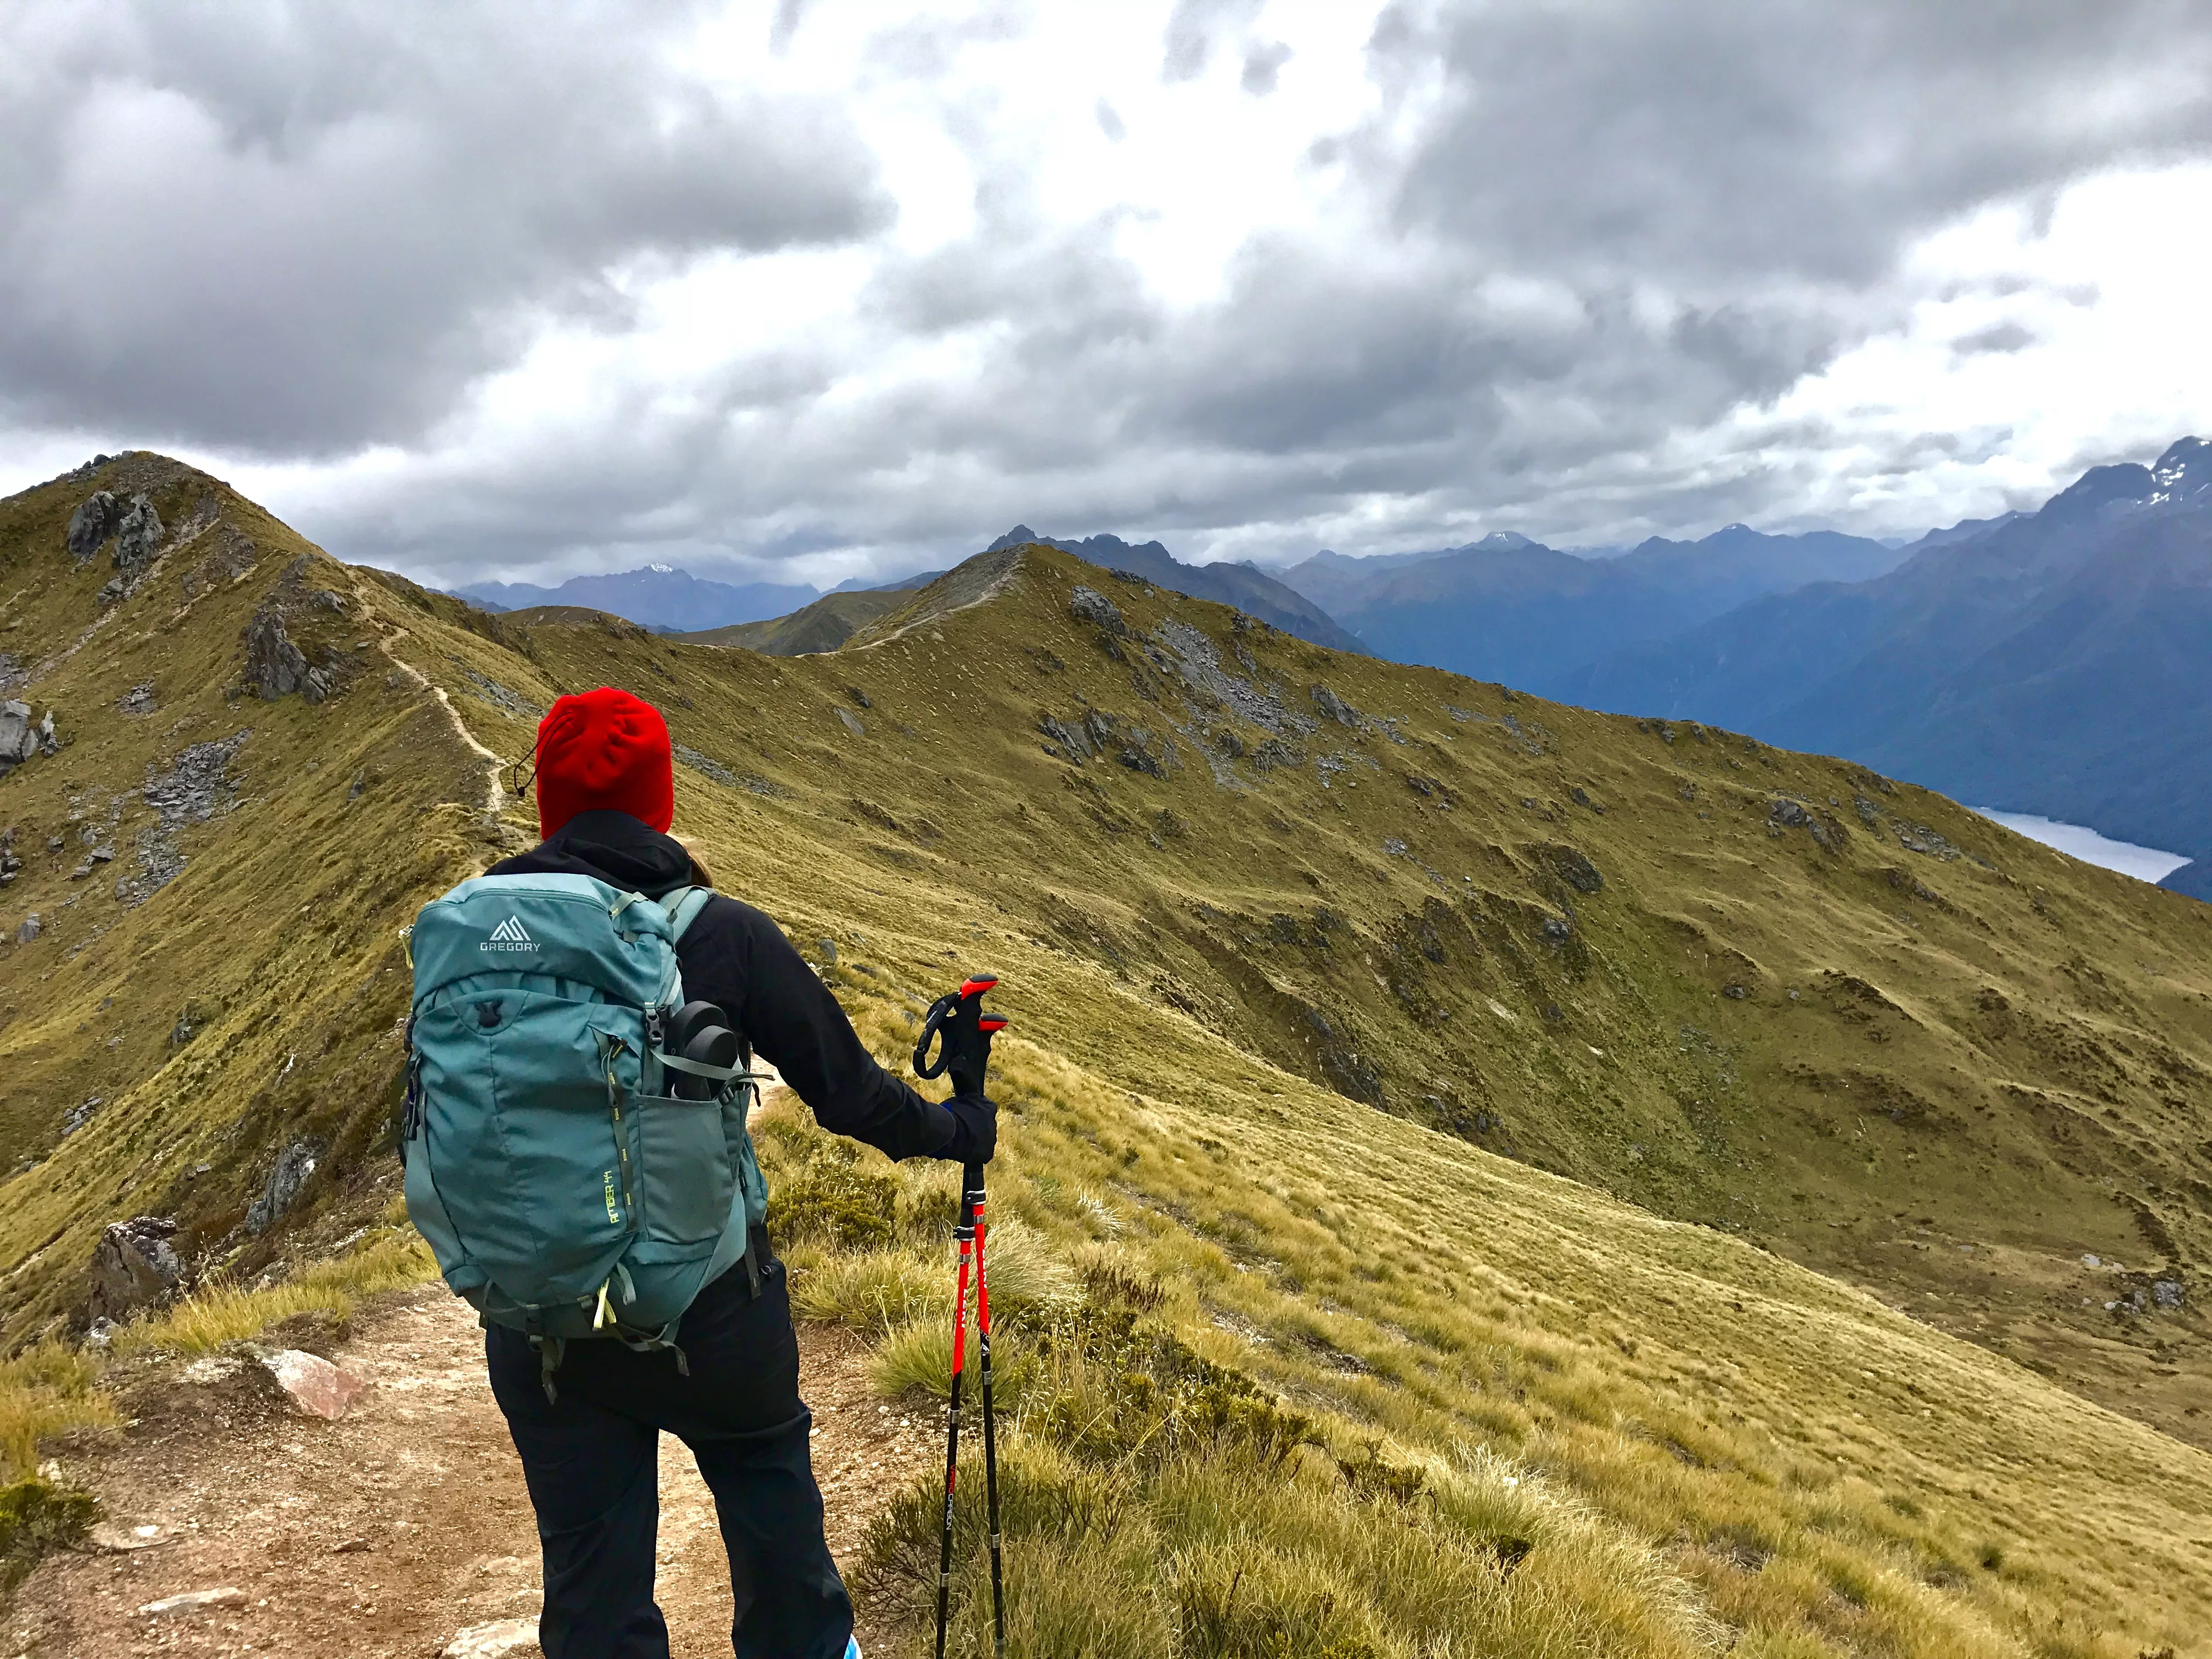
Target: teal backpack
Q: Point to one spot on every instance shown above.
(565, 1190)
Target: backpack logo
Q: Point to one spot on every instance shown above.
(509, 935)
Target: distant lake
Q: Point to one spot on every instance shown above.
(2143, 863)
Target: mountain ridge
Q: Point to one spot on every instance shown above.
(1507, 608)
(653, 595)
(2043, 662)
(1454, 1068)
(1245, 586)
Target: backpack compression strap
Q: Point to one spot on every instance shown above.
(683, 905)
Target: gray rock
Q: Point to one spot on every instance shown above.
(851, 722)
(136, 536)
(1089, 605)
(194, 1601)
(2166, 1293)
(1335, 707)
(135, 1265)
(293, 1165)
(1080, 740)
(95, 519)
(1919, 838)
(80, 1115)
(706, 765)
(275, 667)
(1575, 869)
(138, 700)
(828, 948)
(19, 736)
(28, 929)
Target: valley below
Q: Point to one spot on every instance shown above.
(1489, 1176)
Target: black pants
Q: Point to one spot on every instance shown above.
(592, 1458)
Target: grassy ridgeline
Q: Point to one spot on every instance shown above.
(1279, 1338)
(1279, 1383)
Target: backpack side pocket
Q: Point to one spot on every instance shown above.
(686, 1178)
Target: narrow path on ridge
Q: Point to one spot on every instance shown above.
(389, 1532)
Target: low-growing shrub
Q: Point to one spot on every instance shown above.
(849, 1208)
(38, 1516)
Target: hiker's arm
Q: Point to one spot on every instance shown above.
(796, 1025)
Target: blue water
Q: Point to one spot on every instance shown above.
(2143, 863)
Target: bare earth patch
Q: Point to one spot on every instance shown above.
(389, 1532)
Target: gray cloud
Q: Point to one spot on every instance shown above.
(1193, 28)
(295, 229)
(1263, 64)
(1600, 227)
(1719, 141)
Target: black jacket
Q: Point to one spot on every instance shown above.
(733, 956)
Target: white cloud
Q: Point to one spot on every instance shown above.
(823, 288)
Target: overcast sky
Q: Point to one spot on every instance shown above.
(807, 289)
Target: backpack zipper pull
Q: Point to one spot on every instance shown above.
(604, 1317)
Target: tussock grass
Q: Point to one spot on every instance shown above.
(47, 1390)
(1858, 1054)
(1421, 1426)
(873, 1291)
(220, 1314)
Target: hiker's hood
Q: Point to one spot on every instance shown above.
(617, 848)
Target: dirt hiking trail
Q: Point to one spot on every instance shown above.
(401, 1525)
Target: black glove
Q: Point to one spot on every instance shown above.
(975, 1129)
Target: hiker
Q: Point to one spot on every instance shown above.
(605, 797)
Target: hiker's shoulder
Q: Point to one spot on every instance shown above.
(734, 919)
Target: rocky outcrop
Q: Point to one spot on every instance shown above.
(293, 1165)
(132, 521)
(98, 516)
(20, 739)
(1089, 605)
(274, 667)
(135, 1265)
(135, 538)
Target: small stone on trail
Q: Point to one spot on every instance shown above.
(494, 1641)
(111, 1538)
(194, 1601)
(319, 1385)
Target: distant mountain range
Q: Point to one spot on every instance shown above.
(1509, 608)
(1250, 590)
(2053, 662)
(655, 595)
(2057, 662)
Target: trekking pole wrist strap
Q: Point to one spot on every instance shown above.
(700, 1068)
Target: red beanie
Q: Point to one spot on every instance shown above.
(604, 749)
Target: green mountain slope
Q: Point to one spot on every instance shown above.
(1389, 1027)
(824, 625)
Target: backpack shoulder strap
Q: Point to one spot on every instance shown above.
(683, 905)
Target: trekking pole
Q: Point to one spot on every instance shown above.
(962, 1032)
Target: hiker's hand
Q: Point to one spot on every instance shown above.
(974, 1130)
